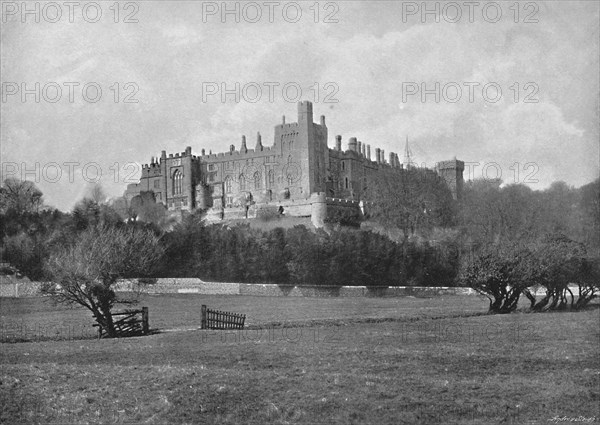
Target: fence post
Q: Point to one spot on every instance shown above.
(145, 324)
(203, 321)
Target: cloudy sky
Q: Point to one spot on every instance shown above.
(364, 65)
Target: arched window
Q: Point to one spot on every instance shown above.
(177, 182)
(228, 184)
(291, 145)
(242, 182)
(257, 182)
(271, 180)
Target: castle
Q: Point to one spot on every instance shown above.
(299, 175)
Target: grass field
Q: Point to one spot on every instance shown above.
(371, 360)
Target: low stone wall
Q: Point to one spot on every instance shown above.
(180, 286)
(198, 286)
(272, 290)
(20, 289)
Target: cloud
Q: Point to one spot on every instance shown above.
(365, 58)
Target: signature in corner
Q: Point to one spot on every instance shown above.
(573, 419)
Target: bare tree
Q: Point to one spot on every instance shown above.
(86, 272)
(20, 196)
(96, 193)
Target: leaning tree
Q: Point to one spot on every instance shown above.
(86, 272)
(502, 273)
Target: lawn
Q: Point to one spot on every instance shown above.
(34, 319)
(376, 361)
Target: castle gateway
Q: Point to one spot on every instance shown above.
(298, 174)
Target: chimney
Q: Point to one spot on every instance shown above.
(352, 144)
(338, 142)
(243, 149)
(323, 120)
(369, 152)
(259, 146)
(283, 119)
(359, 147)
(378, 155)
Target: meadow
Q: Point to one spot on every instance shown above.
(438, 360)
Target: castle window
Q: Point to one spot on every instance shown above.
(291, 144)
(156, 184)
(229, 201)
(271, 178)
(242, 182)
(257, 183)
(346, 180)
(177, 182)
(228, 184)
(343, 165)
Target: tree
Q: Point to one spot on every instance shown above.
(561, 261)
(589, 208)
(86, 272)
(89, 213)
(501, 273)
(20, 196)
(96, 193)
(414, 200)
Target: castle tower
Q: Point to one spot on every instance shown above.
(303, 147)
(452, 172)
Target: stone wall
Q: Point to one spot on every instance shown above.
(198, 286)
(347, 291)
(20, 289)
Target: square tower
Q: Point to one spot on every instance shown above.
(452, 172)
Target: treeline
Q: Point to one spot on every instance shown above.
(490, 213)
(300, 256)
(501, 240)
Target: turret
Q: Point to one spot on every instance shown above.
(305, 112)
(452, 172)
(259, 146)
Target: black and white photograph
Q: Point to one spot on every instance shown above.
(299, 212)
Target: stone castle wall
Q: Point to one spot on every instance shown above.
(297, 165)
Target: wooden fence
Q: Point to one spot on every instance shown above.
(215, 319)
(129, 324)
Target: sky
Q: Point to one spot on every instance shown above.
(91, 92)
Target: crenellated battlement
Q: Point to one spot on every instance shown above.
(297, 171)
(343, 202)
